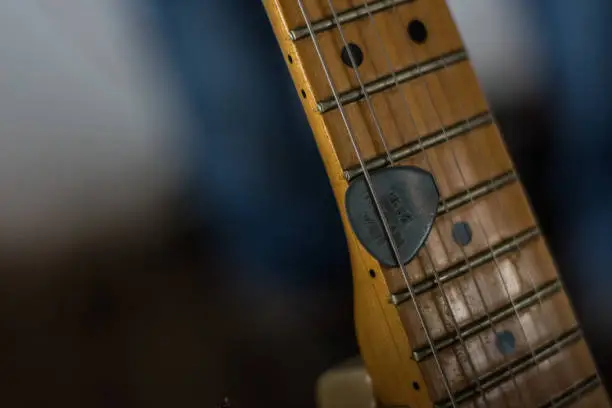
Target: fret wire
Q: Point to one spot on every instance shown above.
(377, 205)
(393, 80)
(344, 17)
(426, 154)
(574, 392)
(478, 191)
(518, 366)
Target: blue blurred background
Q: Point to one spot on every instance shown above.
(168, 233)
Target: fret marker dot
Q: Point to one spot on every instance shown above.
(417, 31)
(505, 342)
(462, 233)
(355, 52)
(303, 94)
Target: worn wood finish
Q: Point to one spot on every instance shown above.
(406, 112)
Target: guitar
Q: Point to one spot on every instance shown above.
(458, 301)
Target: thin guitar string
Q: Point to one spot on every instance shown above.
(437, 279)
(513, 242)
(496, 262)
(468, 354)
(365, 93)
(436, 275)
(375, 201)
(530, 277)
(557, 321)
(372, 112)
(568, 363)
(498, 268)
(470, 269)
(480, 293)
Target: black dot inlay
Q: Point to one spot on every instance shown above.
(290, 59)
(372, 273)
(462, 233)
(416, 385)
(303, 94)
(417, 31)
(355, 52)
(505, 342)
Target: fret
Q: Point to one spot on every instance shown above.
(381, 56)
(391, 80)
(346, 16)
(476, 192)
(441, 136)
(550, 374)
(483, 259)
(596, 398)
(594, 395)
(479, 325)
(489, 227)
(533, 330)
(574, 393)
(415, 109)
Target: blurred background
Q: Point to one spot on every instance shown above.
(161, 242)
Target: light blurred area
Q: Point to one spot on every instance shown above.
(161, 242)
(90, 129)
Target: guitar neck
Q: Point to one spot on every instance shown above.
(478, 317)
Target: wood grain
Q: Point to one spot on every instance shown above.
(483, 291)
(404, 114)
(390, 119)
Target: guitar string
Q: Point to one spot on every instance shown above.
(481, 225)
(530, 276)
(468, 354)
(470, 273)
(539, 298)
(470, 270)
(484, 303)
(375, 201)
(501, 204)
(439, 284)
(470, 197)
(498, 268)
(444, 295)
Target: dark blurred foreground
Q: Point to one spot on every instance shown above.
(239, 284)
